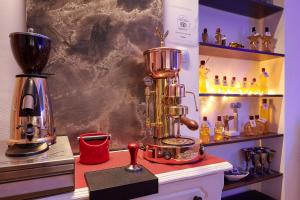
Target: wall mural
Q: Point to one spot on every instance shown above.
(97, 60)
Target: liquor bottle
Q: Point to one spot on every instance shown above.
(203, 77)
(224, 85)
(267, 40)
(264, 113)
(218, 37)
(264, 81)
(245, 86)
(205, 131)
(254, 88)
(219, 129)
(260, 126)
(205, 35)
(217, 85)
(254, 39)
(233, 86)
(250, 127)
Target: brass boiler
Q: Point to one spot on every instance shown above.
(165, 114)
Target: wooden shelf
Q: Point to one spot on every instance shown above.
(250, 8)
(250, 180)
(237, 53)
(249, 195)
(238, 95)
(242, 138)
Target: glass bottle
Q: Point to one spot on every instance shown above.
(218, 37)
(219, 129)
(260, 126)
(264, 76)
(217, 85)
(233, 86)
(205, 35)
(254, 88)
(250, 127)
(224, 85)
(203, 77)
(267, 40)
(264, 113)
(205, 131)
(254, 39)
(245, 87)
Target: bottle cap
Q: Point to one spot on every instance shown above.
(205, 30)
(251, 117)
(245, 79)
(205, 118)
(224, 78)
(267, 29)
(216, 76)
(218, 30)
(256, 116)
(233, 78)
(202, 62)
(264, 100)
(219, 118)
(263, 69)
(254, 79)
(253, 29)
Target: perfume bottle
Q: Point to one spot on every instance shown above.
(205, 131)
(217, 85)
(260, 126)
(250, 127)
(267, 40)
(205, 35)
(264, 76)
(254, 39)
(264, 113)
(203, 77)
(245, 86)
(254, 88)
(219, 129)
(224, 85)
(233, 85)
(218, 37)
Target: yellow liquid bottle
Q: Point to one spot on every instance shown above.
(219, 129)
(217, 85)
(203, 77)
(205, 131)
(264, 81)
(264, 113)
(224, 85)
(245, 86)
(254, 88)
(233, 86)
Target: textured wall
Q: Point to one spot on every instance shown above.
(97, 58)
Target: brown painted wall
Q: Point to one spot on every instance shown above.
(98, 62)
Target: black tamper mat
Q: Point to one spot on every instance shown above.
(119, 184)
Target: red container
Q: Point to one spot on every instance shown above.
(93, 151)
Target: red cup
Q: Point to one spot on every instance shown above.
(94, 151)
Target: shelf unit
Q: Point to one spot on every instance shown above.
(242, 138)
(250, 8)
(236, 53)
(250, 180)
(255, 9)
(238, 95)
(249, 195)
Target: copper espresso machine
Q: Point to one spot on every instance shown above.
(32, 128)
(164, 112)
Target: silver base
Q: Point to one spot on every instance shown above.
(134, 168)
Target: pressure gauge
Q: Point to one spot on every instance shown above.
(148, 81)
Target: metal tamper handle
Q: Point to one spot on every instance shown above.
(133, 150)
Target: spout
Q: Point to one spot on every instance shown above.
(191, 124)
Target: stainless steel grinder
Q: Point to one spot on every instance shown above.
(31, 129)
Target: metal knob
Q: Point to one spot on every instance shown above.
(133, 150)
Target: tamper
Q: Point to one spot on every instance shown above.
(133, 150)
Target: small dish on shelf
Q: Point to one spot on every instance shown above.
(236, 174)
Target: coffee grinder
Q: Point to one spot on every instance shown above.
(164, 112)
(31, 128)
